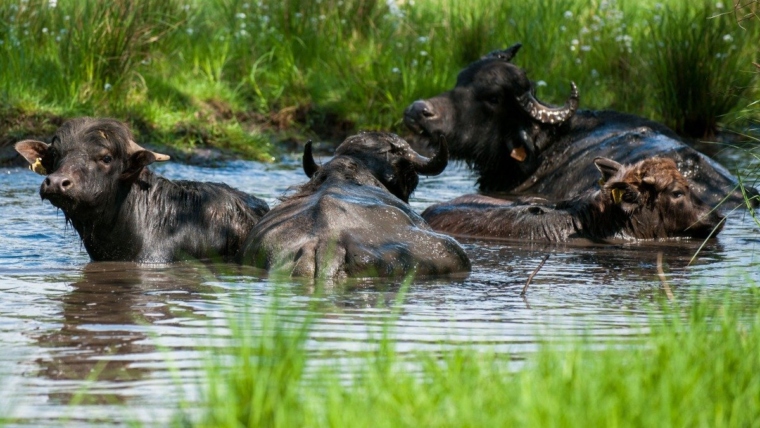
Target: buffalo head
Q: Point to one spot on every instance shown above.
(388, 158)
(86, 162)
(491, 118)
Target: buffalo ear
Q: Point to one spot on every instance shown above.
(135, 164)
(607, 167)
(37, 154)
(507, 54)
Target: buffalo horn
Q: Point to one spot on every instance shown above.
(134, 148)
(310, 167)
(434, 165)
(549, 115)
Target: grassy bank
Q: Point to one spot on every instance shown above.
(696, 366)
(240, 74)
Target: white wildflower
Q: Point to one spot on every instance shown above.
(393, 8)
(240, 15)
(107, 87)
(568, 14)
(728, 38)
(423, 53)
(396, 70)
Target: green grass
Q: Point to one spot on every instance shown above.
(241, 74)
(695, 365)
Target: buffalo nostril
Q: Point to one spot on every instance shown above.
(422, 109)
(57, 184)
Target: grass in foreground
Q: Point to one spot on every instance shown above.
(697, 366)
(235, 73)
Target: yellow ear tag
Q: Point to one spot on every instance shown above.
(601, 182)
(617, 195)
(518, 154)
(38, 168)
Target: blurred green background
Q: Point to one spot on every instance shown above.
(245, 75)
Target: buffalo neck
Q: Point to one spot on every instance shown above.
(596, 217)
(115, 233)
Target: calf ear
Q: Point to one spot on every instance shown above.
(607, 167)
(37, 154)
(136, 162)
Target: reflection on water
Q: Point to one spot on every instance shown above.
(108, 335)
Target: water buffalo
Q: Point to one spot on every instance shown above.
(96, 174)
(647, 200)
(352, 218)
(518, 144)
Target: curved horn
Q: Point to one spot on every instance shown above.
(434, 165)
(134, 148)
(550, 115)
(310, 167)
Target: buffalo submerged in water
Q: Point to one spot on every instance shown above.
(99, 177)
(352, 218)
(647, 200)
(516, 143)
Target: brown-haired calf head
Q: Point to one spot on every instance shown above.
(657, 199)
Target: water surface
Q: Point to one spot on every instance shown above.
(108, 335)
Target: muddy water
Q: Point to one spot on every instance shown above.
(96, 343)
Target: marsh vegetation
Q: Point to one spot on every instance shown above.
(594, 343)
(240, 74)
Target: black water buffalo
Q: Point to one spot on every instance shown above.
(96, 174)
(352, 218)
(647, 200)
(516, 143)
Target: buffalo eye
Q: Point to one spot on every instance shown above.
(492, 99)
(678, 194)
(106, 159)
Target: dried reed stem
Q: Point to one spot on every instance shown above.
(530, 278)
